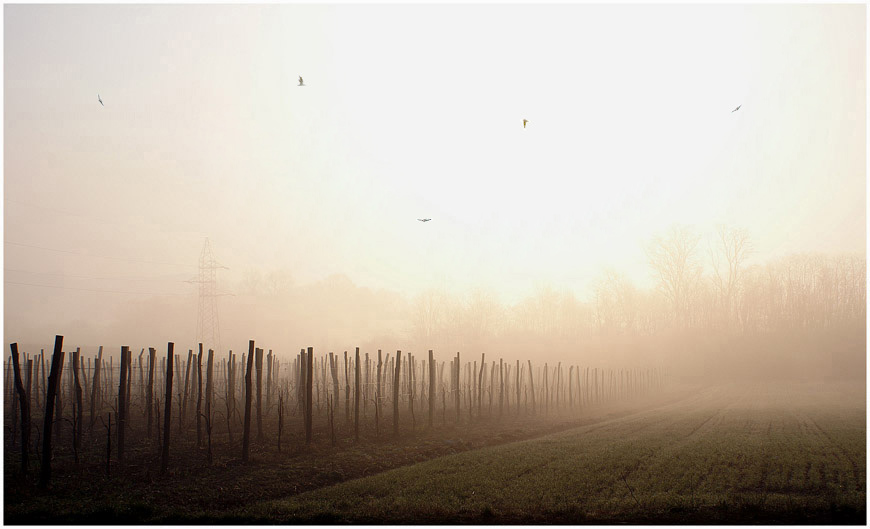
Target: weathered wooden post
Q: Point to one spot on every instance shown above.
(122, 401)
(231, 393)
(333, 369)
(396, 385)
(24, 404)
(185, 400)
(268, 380)
(309, 401)
(411, 381)
(149, 388)
(458, 411)
(246, 435)
(346, 391)
(532, 386)
(259, 365)
(209, 395)
(356, 396)
(56, 366)
(141, 377)
(199, 398)
(378, 397)
(79, 411)
(501, 387)
(167, 410)
(58, 406)
(432, 391)
(365, 387)
(128, 400)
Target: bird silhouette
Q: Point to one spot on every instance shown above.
(100, 100)
(424, 220)
(300, 81)
(524, 123)
(736, 109)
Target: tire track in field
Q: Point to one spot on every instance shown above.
(635, 417)
(708, 399)
(641, 420)
(856, 469)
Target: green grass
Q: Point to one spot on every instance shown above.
(742, 455)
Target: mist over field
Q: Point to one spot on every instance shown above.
(647, 223)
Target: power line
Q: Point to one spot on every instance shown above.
(99, 256)
(95, 290)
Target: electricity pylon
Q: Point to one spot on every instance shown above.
(207, 323)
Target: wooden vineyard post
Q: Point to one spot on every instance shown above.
(231, 394)
(396, 393)
(141, 377)
(309, 401)
(184, 401)
(246, 435)
(24, 404)
(410, 371)
(199, 398)
(300, 386)
(501, 387)
(480, 385)
(532, 386)
(129, 380)
(492, 379)
(258, 362)
(122, 399)
(149, 389)
(209, 395)
(44, 383)
(377, 396)
(346, 392)
(56, 366)
(365, 387)
(458, 411)
(356, 396)
(431, 388)
(58, 406)
(333, 369)
(167, 410)
(268, 380)
(77, 440)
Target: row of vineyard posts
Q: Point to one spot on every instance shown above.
(309, 387)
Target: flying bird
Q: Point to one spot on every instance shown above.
(424, 220)
(736, 109)
(524, 123)
(300, 81)
(100, 100)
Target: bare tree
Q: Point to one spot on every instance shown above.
(732, 247)
(675, 264)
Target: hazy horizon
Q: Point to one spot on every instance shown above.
(411, 111)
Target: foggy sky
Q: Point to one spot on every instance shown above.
(408, 112)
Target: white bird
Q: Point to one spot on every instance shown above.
(300, 81)
(424, 220)
(524, 123)
(738, 108)
(100, 100)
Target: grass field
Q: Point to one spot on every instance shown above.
(750, 454)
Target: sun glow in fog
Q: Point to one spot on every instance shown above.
(412, 111)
